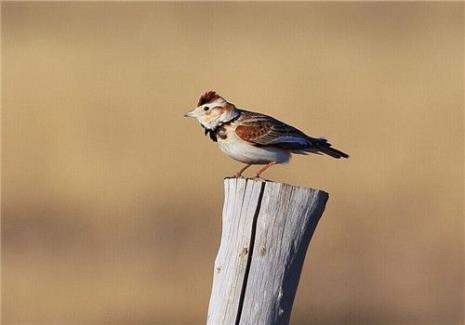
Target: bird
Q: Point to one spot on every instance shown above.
(254, 138)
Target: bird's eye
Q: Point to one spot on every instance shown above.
(206, 108)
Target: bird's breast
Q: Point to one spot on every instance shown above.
(245, 152)
(222, 133)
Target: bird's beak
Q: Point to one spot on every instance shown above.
(190, 114)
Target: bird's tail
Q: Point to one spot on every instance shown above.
(322, 145)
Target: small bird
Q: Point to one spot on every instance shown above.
(254, 138)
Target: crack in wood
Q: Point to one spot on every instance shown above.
(249, 257)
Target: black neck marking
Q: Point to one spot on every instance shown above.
(213, 133)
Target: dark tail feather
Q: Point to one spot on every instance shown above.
(333, 152)
(323, 146)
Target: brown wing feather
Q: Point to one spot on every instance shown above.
(253, 131)
(263, 130)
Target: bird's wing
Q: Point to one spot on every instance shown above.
(263, 130)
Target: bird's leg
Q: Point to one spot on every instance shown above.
(239, 173)
(261, 170)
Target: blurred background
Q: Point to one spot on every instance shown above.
(111, 200)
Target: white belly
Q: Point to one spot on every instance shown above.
(249, 154)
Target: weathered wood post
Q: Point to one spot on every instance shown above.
(267, 228)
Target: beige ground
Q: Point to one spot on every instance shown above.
(111, 200)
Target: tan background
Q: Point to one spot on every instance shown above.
(111, 200)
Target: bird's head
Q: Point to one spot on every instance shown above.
(213, 110)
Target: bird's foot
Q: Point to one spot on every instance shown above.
(239, 173)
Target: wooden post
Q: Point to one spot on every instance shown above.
(266, 231)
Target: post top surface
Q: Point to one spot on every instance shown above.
(267, 181)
